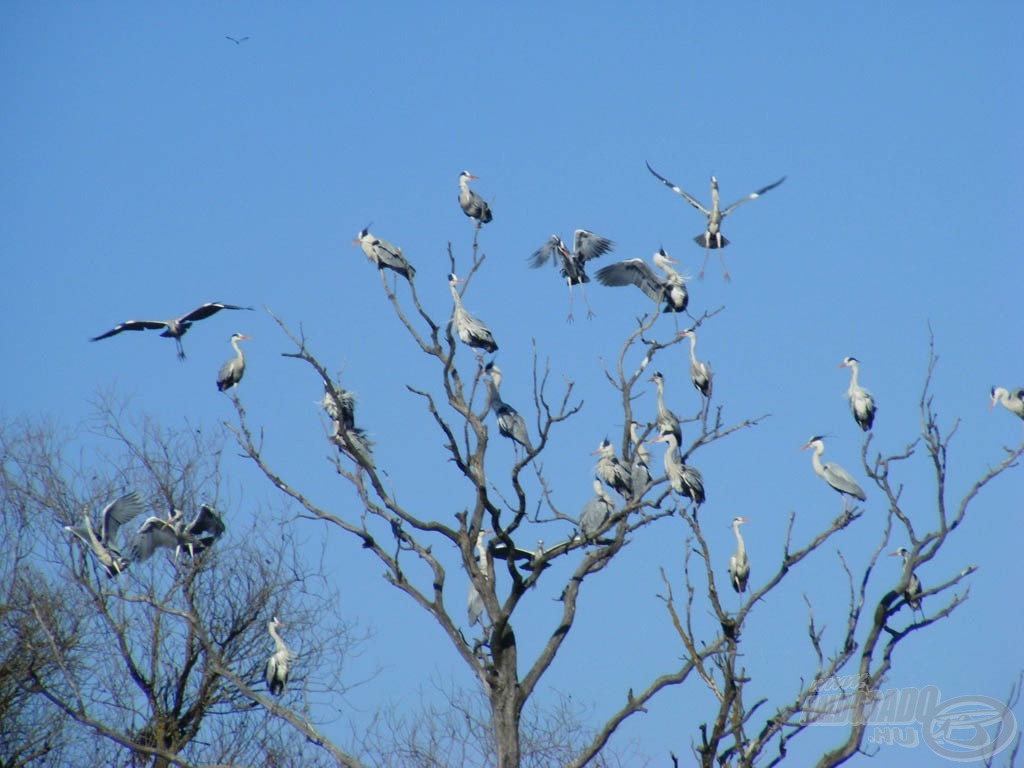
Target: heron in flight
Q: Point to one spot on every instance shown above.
(572, 266)
(469, 329)
(384, 254)
(471, 203)
(832, 473)
(670, 289)
(862, 404)
(232, 371)
(101, 539)
(739, 563)
(174, 328)
(277, 669)
(712, 237)
(174, 533)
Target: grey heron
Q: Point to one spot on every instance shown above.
(572, 266)
(174, 533)
(862, 404)
(471, 203)
(739, 563)
(232, 371)
(1011, 399)
(384, 254)
(237, 40)
(342, 416)
(712, 237)
(101, 539)
(510, 423)
(596, 511)
(639, 462)
(174, 328)
(832, 473)
(611, 470)
(666, 421)
(684, 479)
(277, 669)
(469, 329)
(670, 289)
(700, 372)
(912, 594)
(474, 602)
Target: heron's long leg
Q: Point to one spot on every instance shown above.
(569, 318)
(707, 252)
(725, 272)
(181, 349)
(590, 313)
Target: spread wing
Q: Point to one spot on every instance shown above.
(207, 309)
(131, 325)
(117, 513)
(686, 196)
(752, 196)
(586, 245)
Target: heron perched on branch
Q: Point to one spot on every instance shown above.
(341, 411)
(666, 421)
(670, 289)
(232, 371)
(471, 203)
(101, 538)
(384, 254)
(510, 423)
(572, 266)
(639, 462)
(700, 372)
(712, 237)
(832, 473)
(469, 329)
(684, 479)
(862, 404)
(611, 470)
(1011, 399)
(739, 563)
(912, 594)
(596, 512)
(277, 669)
(174, 328)
(474, 602)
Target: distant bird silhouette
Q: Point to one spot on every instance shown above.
(174, 328)
(237, 40)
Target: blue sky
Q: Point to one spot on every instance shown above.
(151, 165)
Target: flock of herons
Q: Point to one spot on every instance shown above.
(625, 479)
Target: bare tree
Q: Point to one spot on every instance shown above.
(162, 665)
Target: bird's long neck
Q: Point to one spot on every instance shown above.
(238, 349)
(94, 540)
(661, 394)
(278, 642)
(463, 184)
(853, 376)
(693, 348)
(740, 546)
(455, 297)
(816, 459)
(670, 461)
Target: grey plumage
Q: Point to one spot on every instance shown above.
(666, 420)
(670, 289)
(174, 328)
(739, 563)
(572, 266)
(610, 470)
(510, 423)
(596, 512)
(712, 237)
(683, 479)
(469, 329)
(232, 371)
(384, 254)
(640, 473)
(278, 666)
(912, 594)
(474, 602)
(1011, 400)
(101, 539)
(471, 203)
(832, 473)
(700, 371)
(862, 403)
(197, 535)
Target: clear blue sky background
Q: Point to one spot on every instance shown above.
(150, 165)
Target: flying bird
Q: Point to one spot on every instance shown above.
(833, 474)
(862, 404)
(471, 203)
(700, 372)
(470, 330)
(666, 421)
(510, 423)
(572, 266)
(174, 533)
(912, 594)
(684, 479)
(276, 671)
(670, 289)
(101, 539)
(739, 563)
(173, 329)
(1011, 399)
(232, 371)
(237, 40)
(712, 236)
(384, 254)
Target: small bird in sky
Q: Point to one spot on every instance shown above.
(237, 40)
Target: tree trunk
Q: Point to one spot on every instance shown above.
(504, 697)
